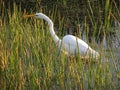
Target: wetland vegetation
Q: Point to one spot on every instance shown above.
(29, 58)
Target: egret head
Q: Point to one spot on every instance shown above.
(37, 15)
(40, 15)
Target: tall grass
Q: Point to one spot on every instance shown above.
(29, 59)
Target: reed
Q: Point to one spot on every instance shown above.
(29, 58)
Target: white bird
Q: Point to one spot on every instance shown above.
(70, 44)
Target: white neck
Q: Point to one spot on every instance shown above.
(52, 32)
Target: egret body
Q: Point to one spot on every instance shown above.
(70, 44)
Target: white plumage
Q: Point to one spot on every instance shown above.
(70, 44)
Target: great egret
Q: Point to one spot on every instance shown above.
(70, 44)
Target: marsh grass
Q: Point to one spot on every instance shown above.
(29, 59)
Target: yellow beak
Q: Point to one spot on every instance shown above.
(27, 16)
